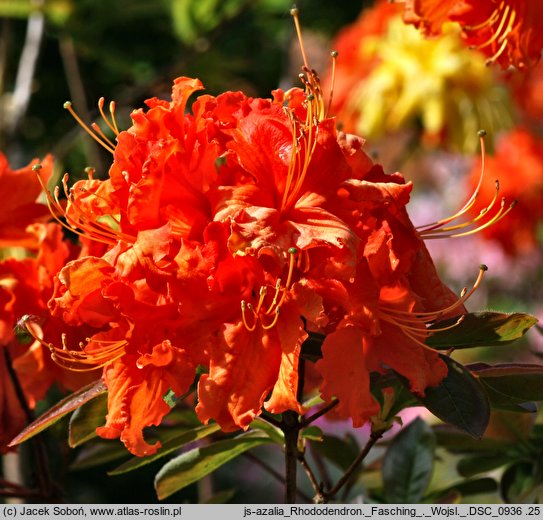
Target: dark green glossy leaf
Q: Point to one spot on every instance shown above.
(521, 382)
(473, 465)
(500, 401)
(86, 419)
(274, 433)
(457, 441)
(98, 453)
(480, 329)
(199, 462)
(63, 407)
(459, 400)
(408, 464)
(341, 452)
(167, 447)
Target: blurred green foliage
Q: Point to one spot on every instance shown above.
(129, 50)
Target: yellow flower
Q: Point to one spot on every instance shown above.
(438, 84)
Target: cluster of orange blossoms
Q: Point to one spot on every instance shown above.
(223, 237)
(508, 32)
(26, 284)
(220, 240)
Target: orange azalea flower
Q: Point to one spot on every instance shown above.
(509, 32)
(20, 189)
(25, 287)
(518, 164)
(230, 232)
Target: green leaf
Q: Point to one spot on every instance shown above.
(459, 400)
(56, 10)
(167, 447)
(459, 442)
(86, 419)
(403, 398)
(199, 462)
(521, 382)
(341, 452)
(99, 453)
(195, 18)
(480, 329)
(408, 464)
(520, 485)
(274, 433)
(313, 433)
(473, 465)
(63, 407)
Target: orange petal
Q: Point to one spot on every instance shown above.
(244, 367)
(346, 376)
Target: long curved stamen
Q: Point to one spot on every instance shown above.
(262, 312)
(83, 360)
(88, 225)
(97, 138)
(83, 225)
(489, 21)
(498, 32)
(334, 55)
(304, 134)
(113, 124)
(498, 53)
(294, 13)
(429, 317)
(439, 229)
(471, 201)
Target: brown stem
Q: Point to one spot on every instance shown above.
(308, 420)
(325, 477)
(319, 498)
(291, 430)
(374, 437)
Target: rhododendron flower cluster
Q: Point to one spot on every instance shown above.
(31, 252)
(509, 32)
(375, 93)
(224, 236)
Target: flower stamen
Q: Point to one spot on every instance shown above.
(82, 124)
(85, 359)
(439, 229)
(279, 296)
(113, 124)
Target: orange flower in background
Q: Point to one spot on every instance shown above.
(375, 96)
(518, 164)
(527, 90)
(20, 190)
(25, 287)
(509, 32)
